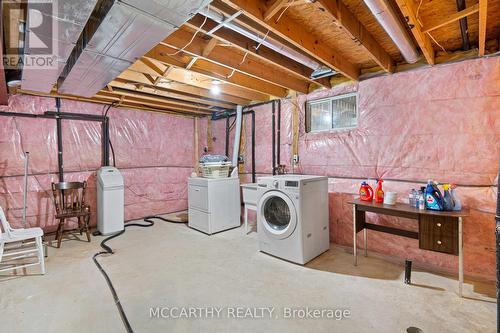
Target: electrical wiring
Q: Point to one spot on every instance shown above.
(246, 54)
(198, 30)
(283, 12)
(428, 33)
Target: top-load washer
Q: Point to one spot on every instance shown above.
(292, 216)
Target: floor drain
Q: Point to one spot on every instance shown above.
(414, 330)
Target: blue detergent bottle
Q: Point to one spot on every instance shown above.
(433, 197)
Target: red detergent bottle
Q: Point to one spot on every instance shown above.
(365, 192)
(379, 193)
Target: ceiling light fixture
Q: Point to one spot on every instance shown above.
(215, 89)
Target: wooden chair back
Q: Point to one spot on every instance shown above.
(69, 196)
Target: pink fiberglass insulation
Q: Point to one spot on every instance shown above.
(154, 153)
(440, 123)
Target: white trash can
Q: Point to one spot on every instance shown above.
(110, 201)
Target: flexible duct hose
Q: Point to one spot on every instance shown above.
(108, 250)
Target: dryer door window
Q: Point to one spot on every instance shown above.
(277, 213)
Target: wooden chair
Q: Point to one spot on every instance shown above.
(69, 201)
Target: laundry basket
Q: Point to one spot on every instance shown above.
(215, 166)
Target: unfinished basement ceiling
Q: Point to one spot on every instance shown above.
(203, 67)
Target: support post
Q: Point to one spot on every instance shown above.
(59, 141)
(354, 232)
(460, 257)
(273, 139)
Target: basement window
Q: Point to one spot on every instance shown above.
(332, 113)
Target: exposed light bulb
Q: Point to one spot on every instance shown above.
(215, 89)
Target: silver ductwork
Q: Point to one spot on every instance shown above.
(388, 19)
(120, 32)
(57, 25)
(273, 45)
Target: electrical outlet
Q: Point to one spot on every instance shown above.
(295, 159)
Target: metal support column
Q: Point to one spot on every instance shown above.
(460, 257)
(59, 140)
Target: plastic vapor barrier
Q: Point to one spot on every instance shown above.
(154, 152)
(440, 123)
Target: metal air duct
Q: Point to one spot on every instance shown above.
(388, 19)
(120, 32)
(56, 26)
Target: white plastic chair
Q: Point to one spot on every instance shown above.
(10, 235)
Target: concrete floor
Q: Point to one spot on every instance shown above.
(170, 265)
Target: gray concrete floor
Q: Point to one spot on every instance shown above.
(170, 265)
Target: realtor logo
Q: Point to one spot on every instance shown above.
(39, 28)
(31, 36)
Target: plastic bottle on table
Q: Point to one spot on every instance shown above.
(421, 200)
(448, 202)
(453, 192)
(411, 198)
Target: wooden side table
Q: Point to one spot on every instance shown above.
(438, 231)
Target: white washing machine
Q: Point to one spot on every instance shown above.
(292, 216)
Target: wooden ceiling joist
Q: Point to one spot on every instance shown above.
(203, 81)
(483, 14)
(121, 99)
(191, 77)
(115, 102)
(142, 95)
(292, 33)
(452, 18)
(356, 31)
(263, 53)
(408, 9)
(168, 94)
(182, 87)
(229, 58)
(209, 47)
(217, 72)
(274, 8)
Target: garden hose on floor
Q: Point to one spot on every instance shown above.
(108, 250)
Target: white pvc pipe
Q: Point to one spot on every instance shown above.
(385, 15)
(25, 189)
(237, 136)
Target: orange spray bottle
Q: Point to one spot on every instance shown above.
(379, 193)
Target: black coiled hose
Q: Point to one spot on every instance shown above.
(108, 250)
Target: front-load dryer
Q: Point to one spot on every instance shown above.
(292, 216)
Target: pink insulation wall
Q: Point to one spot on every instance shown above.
(153, 151)
(440, 123)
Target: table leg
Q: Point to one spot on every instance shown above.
(460, 257)
(354, 232)
(246, 219)
(364, 242)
